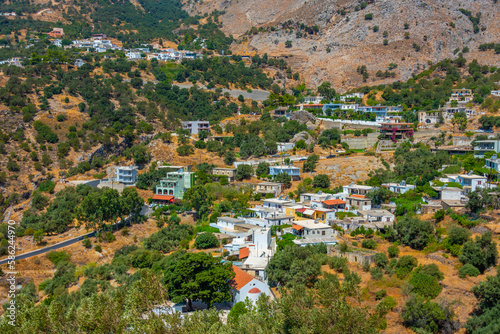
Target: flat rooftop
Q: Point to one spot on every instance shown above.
(310, 224)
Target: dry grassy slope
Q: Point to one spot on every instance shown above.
(354, 43)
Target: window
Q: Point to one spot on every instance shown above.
(323, 232)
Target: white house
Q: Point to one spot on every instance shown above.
(472, 182)
(259, 252)
(311, 229)
(448, 193)
(314, 197)
(495, 92)
(246, 286)
(357, 189)
(351, 96)
(398, 188)
(282, 147)
(380, 218)
(313, 99)
(277, 203)
(233, 226)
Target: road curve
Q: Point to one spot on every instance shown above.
(50, 248)
(146, 211)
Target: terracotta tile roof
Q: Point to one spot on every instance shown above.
(358, 196)
(300, 210)
(333, 202)
(254, 290)
(244, 252)
(297, 227)
(163, 197)
(241, 278)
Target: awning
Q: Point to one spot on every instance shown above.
(297, 227)
(308, 212)
(168, 198)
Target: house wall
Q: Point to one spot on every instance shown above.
(353, 257)
(450, 195)
(318, 233)
(242, 294)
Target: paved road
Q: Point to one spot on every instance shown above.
(50, 248)
(145, 211)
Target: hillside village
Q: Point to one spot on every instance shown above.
(157, 176)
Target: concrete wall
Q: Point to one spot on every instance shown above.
(462, 141)
(352, 256)
(347, 125)
(362, 142)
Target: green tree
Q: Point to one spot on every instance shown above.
(326, 90)
(198, 198)
(419, 314)
(243, 171)
(283, 178)
(481, 253)
(198, 276)
(413, 232)
(206, 240)
(262, 169)
(321, 181)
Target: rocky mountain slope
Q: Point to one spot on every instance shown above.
(345, 37)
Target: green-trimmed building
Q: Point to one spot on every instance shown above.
(175, 183)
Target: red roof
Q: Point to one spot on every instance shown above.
(300, 210)
(244, 252)
(254, 290)
(333, 202)
(297, 227)
(241, 278)
(358, 196)
(163, 197)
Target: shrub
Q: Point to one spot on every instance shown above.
(405, 265)
(393, 251)
(376, 273)
(431, 270)
(468, 270)
(58, 257)
(370, 244)
(86, 242)
(380, 294)
(413, 232)
(98, 248)
(427, 316)
(238, 309)
(426, 285)
(381, 260)
(458, 235)
(47, 186)
(337, 263)
(481, 253)
(206, 240)
(61, 117)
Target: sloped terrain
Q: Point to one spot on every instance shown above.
(344, 42)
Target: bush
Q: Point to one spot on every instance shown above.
(458, 235)
(98, 248)
(431, 270)
(376, 273)
(381, 260)
(337, 263)
(370, 244)
(238, 309)
(206, 240)
(481, 253)
(58, 257)
(86, 242)
(468, 270)
(47, 186)
(425, 285)
(393, 251)
(380, 294)
(61, 117)
(405, 265)
(419, 314)
(413, 232)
